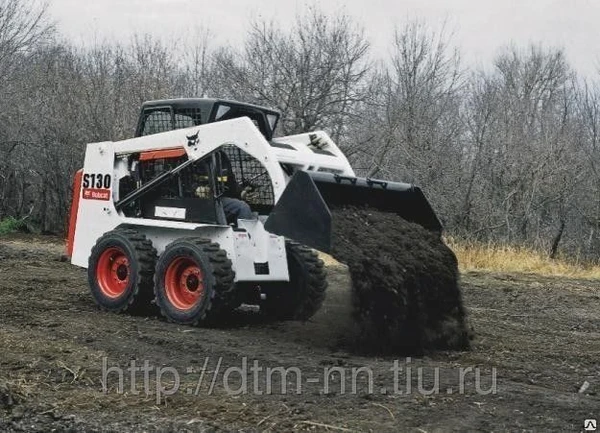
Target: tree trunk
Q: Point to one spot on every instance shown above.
(556, 240)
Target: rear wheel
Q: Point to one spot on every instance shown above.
(302, 296)
(120, 270)
(193, 281)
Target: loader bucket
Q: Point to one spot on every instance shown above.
(303, 212)
(403, 199)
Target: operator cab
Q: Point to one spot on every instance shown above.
(193, 194)
(169, 114)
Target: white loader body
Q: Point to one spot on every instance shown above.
(106, 163)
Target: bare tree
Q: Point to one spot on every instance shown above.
(588, 194)
(23, 24)
(480, 119)
(522, 146)
(411, 127)
(195, 71)
(313, 73)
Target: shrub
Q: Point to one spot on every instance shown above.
(11, 224)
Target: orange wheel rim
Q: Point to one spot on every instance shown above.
(112, 272)
(184, 283)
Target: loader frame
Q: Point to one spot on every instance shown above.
(104, 206)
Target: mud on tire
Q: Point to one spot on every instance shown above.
(193, 281)
(120, 270)
(302, 296)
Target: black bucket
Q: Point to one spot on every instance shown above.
(403, 199)
(303, 210)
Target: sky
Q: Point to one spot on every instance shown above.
(480, 27)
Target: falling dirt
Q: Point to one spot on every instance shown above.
(540, 335)
(406, 295)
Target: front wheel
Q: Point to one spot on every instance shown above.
(193, 281)
(302, 296)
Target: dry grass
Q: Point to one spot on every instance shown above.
(511, 259)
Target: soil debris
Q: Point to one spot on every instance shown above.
(405, 283)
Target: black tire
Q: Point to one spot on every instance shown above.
(120, 271)
(302, 296)
(193, 281)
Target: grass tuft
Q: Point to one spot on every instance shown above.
(473, 256)
(11, 225)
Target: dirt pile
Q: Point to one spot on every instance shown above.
(405, 292)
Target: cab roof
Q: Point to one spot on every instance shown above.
(204, 102)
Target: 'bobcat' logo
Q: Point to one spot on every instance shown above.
(193, 140)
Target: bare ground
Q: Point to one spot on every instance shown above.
(541, 335)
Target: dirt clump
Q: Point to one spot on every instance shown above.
(405, 283)
(7, 398)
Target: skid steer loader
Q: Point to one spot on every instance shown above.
(148, 221)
